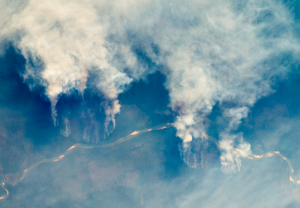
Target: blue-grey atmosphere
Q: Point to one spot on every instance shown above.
(155, 104)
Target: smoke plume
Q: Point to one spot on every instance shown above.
(227, 53)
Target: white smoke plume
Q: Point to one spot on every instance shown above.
(227, 52)
(232, 57)
(68, 39)
(67, 131)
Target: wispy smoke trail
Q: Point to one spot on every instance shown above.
(226, 52)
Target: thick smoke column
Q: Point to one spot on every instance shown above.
(225, 52)
(62, 42)
(228, 53)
